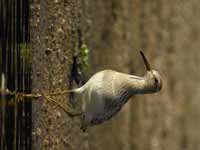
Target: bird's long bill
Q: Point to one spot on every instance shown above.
(146, 63)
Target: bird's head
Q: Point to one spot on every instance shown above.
(152, 77)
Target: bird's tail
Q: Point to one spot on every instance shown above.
(77, 91)
(75, 95)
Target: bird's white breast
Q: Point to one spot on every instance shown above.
(101, 100)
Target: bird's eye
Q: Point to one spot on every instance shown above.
(156, 80)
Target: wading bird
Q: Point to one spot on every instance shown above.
(105, 93)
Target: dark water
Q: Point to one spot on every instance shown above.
(15, 63)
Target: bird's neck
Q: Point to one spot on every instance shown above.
(139, 85)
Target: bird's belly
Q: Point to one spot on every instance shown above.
(100, 118)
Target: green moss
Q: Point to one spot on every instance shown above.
(24, 51)
(83, 60)
(25, 55)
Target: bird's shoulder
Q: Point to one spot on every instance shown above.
(108, 73)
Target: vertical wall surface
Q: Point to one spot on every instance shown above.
(54, 39)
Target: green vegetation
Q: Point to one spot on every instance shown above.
(83, 60)
(25, 52)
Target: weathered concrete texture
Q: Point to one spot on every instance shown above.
(54, 38)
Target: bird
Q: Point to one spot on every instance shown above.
(106, 92)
